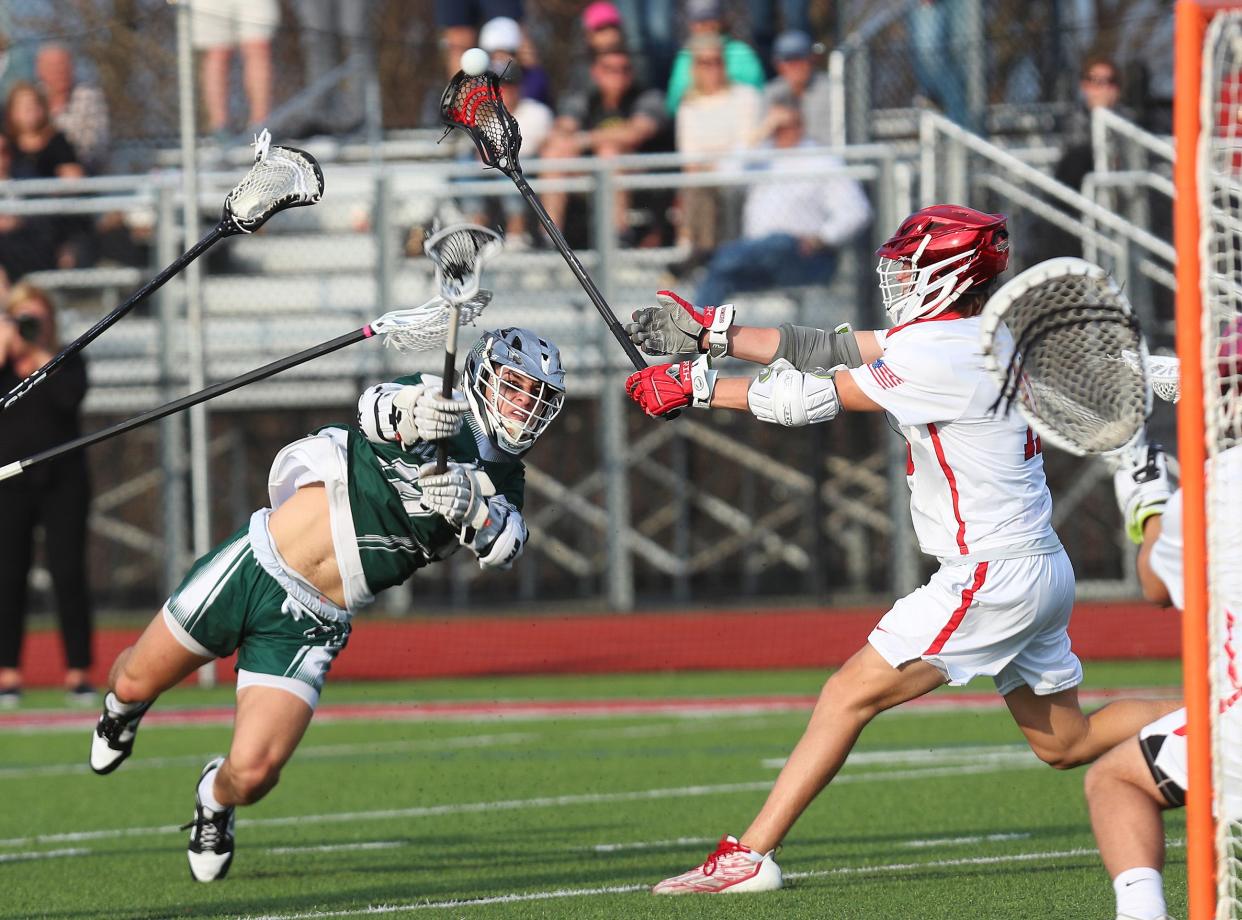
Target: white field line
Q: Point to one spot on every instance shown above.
(993, 753)
(652, 844)
(962, 841)
(334, 847)
(460, 904)
(46, 854)
(310, 752)
(557, 801)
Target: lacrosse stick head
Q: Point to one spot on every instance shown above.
(474, 104)
(459, 253)
(1054, 339)
(281, 178)
(515, 384)
(425, 328)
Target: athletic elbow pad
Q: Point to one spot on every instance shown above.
(787, 396)
(376, 417)
(502, 537)
(808, 348)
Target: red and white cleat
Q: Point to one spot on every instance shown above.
(731, 868)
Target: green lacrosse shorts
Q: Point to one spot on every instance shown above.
(229, 603)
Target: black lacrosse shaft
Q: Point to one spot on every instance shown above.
(221, 230)
(446, 386)
(610, 319)
(193, 399)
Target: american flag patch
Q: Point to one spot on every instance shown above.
(883, 375)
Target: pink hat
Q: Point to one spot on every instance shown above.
(600, 15)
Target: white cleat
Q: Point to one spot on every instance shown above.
(731, 869)
(211, 836)
(113, 739)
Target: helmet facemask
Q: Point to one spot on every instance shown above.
(516, 387)
(912, 292)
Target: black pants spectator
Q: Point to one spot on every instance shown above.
(58, 498)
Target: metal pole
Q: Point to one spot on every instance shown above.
(194, 300)
(619, 578)
(172, 429)
(976, 66)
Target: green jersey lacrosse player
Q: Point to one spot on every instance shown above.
(354, 510)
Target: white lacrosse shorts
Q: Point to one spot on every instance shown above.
(1164, 748)
(1004, 618)
(228, 23)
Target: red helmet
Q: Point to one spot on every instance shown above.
(936, 255)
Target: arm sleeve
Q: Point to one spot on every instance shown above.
(916, 384)
(807, 349)
(847, 208)
(678, 81)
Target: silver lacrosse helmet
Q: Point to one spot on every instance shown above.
(516, 385)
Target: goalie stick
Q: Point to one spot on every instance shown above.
(473, 103)
(419, 329)
(459, 253)
(281, 178)
(1063, 343)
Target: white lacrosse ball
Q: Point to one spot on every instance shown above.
(474, 61)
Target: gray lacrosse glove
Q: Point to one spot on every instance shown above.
(423, 413)
(459, 495)
(675, 327)
(1142, 486)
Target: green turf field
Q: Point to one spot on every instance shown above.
(571, 817)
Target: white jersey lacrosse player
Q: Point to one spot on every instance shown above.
(1129, 786)
(355, 509)
(1000, 603)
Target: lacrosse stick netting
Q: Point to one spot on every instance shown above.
(474, 105)
(425, 328)
(282, 177)
(1054, 339)
(459, 253)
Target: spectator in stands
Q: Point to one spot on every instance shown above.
(39, 150)
(934, 26)
(219, 26)
(791, 230)
(1099, 88)
(614, 116)
(742, 65)
(602, 31)
(718, 118)
(795, 17)
(459, 21)
(27, 244)
(502, 38)
(78, 110)
(335, 33)
(798, 82)
(535, 122)
(55, 495)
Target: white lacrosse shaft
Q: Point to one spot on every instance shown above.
(422, 328)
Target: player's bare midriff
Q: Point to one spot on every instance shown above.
(301, 528)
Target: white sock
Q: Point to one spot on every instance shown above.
(1140, 894)
(114, 705)
(206, 791)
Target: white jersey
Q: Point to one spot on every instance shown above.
(977, 486)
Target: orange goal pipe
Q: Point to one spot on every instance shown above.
(1191, 24)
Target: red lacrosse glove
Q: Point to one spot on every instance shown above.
(662, 388)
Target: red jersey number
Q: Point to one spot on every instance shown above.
(1033, 445)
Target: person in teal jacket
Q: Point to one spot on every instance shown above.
(742, 64)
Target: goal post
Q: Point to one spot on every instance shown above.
(1207, 118)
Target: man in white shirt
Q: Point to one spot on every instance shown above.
(1000, 603)
(1132, 784)
(791, 229)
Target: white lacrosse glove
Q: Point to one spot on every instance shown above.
(459, 495)
(1142, 486)
(423, 413)
(675, 327)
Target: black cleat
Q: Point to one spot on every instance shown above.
(211, 837)
(113, 739)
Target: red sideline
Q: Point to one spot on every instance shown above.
(621, 643)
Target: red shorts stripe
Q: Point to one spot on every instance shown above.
(948, 474)
(968, 597)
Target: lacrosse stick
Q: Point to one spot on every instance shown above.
(282, 177)
(473, 104)
(459, 253)
(420, 329)
(1056, 338)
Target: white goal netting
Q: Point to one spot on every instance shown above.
(1220, 190)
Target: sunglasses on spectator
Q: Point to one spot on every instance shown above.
(1099, 80)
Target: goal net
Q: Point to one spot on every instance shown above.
(1210, 346)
